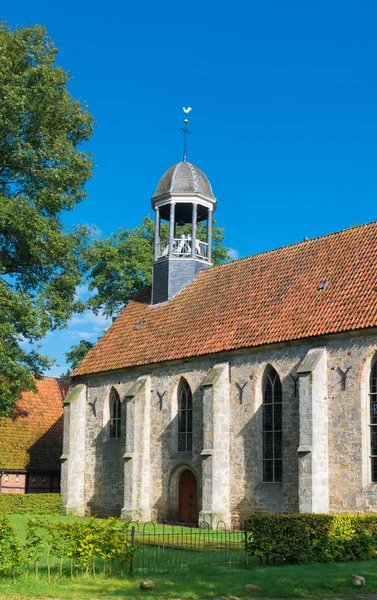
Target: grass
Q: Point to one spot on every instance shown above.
(19, 521)
(301, 581)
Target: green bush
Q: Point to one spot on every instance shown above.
(309, 538)
(10, 549)
(37, 504)
(84, 543)
(77, 547)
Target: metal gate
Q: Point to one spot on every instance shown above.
(166, 548)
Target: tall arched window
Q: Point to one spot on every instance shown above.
(114, 425)
(373, 421)
(272, 427)
(184, 417)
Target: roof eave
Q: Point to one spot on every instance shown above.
(162, 199)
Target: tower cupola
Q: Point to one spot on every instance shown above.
(183, 199)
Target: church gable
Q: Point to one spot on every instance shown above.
(316, 287)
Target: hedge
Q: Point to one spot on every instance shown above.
(311, 538)
(37, 504)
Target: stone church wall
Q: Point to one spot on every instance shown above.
(140, 471)
(350, 489)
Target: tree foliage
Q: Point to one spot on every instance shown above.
(77, 352)
(121, 264)
(42, 174)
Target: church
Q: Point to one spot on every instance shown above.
(225, 390)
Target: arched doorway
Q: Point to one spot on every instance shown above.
(188, 497)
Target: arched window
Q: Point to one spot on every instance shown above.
(272, 427)
(184, 417)
(373, 421)
(114, 425)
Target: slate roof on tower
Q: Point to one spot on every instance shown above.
(32, 436)
(320, 286)
(184, 178)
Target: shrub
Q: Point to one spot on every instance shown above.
(10, 549)
(37, 504)
(82, 542)
(308, 538)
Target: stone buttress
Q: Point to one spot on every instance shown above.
(73, 458)
(313, 449)
(137, 454)
(215, 453)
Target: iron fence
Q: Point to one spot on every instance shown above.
(166, 548)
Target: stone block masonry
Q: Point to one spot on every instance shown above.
(324, 435)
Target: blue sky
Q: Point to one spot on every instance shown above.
(284, 113)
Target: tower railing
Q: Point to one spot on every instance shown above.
(182, 248)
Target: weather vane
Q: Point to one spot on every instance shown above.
(185, 132)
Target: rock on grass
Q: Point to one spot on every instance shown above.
(251, 587)
(147, 584)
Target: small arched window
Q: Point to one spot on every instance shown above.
(272, 427)
(373, 421)
(184, 417)
(114, 424)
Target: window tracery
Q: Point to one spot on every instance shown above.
(272, 453)
(373, 421)
(184, 417)
(115, 414)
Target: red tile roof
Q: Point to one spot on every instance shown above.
(266, 298)
(32, 436)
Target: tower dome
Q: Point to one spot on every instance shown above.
(184, 199)
(184, 178)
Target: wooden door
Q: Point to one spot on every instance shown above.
(188, 498)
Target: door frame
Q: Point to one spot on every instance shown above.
(187, 491)
(173, 490)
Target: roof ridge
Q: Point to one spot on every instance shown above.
(318, 237)
(50, 377)
(196, 185)
(175, 167)
(203, 272)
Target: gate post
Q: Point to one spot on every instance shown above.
(246, 552)
(133, 545)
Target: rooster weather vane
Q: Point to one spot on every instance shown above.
(185, 132)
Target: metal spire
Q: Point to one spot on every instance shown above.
(185, 132)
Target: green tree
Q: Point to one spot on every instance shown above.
(77, 352)
(42, 174)
(121, 264)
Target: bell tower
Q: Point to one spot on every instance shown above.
(183, 199)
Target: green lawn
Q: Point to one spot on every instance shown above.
(308, 581)
(314, 581)
(19, 521)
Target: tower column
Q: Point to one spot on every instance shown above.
(209, 234)
(157, 234)
(193, 234)
(171, 228)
